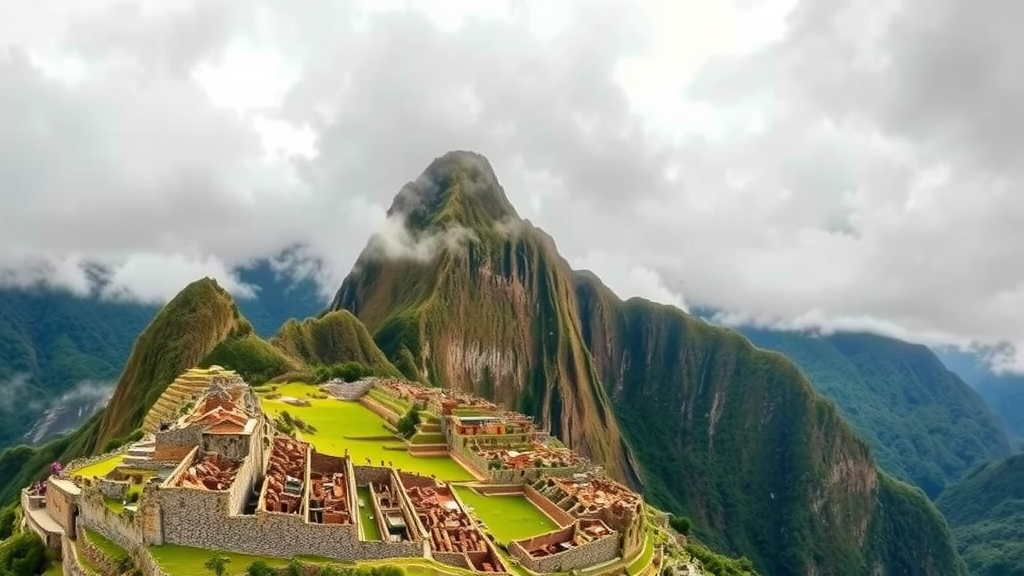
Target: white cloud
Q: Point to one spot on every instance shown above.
(628, 278)
(805, 164)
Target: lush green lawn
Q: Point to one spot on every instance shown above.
(55, 569)
(186, 561)
(507, 517)
(368, 525)
(99, 469)
(106, 546)
(336, 419)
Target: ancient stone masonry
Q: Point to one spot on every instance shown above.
(598, 497)
(450, 528)
(348, 390)
(585, 543)
(214, 474)
(286, 477)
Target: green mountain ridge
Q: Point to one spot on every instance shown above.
(923, 423)
(708, 425)
(986, 513)
(1004, 393)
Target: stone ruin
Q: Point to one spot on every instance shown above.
(212, 472)
(328, 500)
(450, 528)
(285, 476)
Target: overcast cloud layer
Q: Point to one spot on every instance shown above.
(830, 164)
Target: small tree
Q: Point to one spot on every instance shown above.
(260, 568)
(217, 564)
(123, 564)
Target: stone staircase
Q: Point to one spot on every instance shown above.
(185, 388)
(140, 453)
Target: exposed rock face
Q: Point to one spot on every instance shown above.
(732, 436)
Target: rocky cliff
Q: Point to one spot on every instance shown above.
(466, 294)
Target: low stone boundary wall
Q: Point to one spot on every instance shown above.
(428, 450)
(588, 554)
(379, 409)
(96, 556)
(78, 463)
(561, 517)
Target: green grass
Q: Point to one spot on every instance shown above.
(510, 517)
(644, 559)
(55, 569)
(99, 469)
(187, 561)
(335, 420)
(106, 546)
(368, 525)
(427, 438)
(398, 405)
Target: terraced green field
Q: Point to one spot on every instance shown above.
(99, 469)
(340, 425)
(510, 517)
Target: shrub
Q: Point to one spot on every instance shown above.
(260, 568)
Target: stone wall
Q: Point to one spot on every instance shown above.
(588, 554)
(457, 559)
(367, 474)
(69, 562)
(113, 489)
(99, 558)
(199, 519)
(506, 476)
(561, 517)
(124, 529)
(231, 446)
(61, 506)
(379, 409)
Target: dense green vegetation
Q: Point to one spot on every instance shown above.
(498, 300)
(923, 423)
(1005, 395)
(23, 555)
(986, 512)
(733, 437)
(51, 342)
(330, 340)
(736, 439)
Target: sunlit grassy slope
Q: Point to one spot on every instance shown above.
(340, 425)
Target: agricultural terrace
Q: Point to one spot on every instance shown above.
(509, 517)
(99, 468)
(339, 425)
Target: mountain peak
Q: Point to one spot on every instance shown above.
(457, 189)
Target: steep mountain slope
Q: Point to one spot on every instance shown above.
(923, 423)
(737, 438)
(60, 354)
(733, 436)
(333, 338)
(201, 326)
(493, 316)
(1004, 393)
(986, 512)
(52, 344)
(182, 335)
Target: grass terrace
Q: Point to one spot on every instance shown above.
(340, 425)
(368, 525)
(187, 561)
(106, 546)
(98, 469)
(508, 517)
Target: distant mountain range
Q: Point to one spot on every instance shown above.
(743, 441)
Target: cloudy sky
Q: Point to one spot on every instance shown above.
(834, 163)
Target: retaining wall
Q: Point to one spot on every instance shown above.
(200, 520)
(591, 553)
